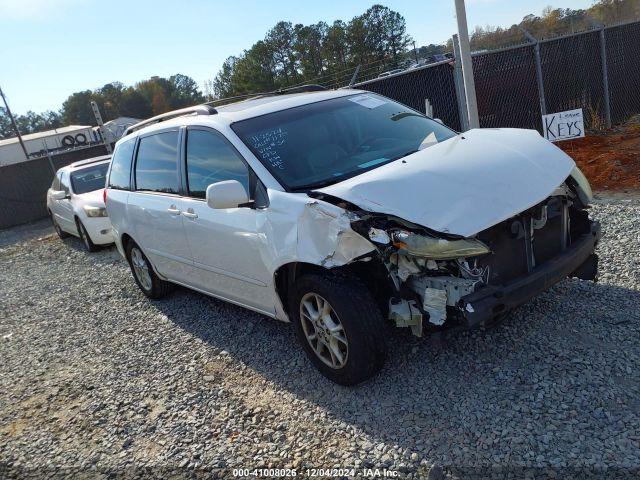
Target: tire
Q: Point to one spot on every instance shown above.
(154, 286)
(86, 239)
(61, 233)
(68, 141)
(354, 315)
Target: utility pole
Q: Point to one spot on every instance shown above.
(415, 52)
(467, 65)
(103, 131)
(15, 125)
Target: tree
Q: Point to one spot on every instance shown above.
(133, 104)
(280, 40)
(185, 91)
(77, 109)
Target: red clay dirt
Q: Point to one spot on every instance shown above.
(610, 160)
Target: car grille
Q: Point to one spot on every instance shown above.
(529, 239)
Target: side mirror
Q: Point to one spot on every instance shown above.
(226, 194)
(58, 195)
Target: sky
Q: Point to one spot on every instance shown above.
(53, 48)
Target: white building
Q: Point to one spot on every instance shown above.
(64, 137)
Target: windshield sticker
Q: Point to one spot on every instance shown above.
(373, 162)
(267, 145)
(367, 101)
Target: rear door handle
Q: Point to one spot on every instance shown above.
(190, 213)
(173, 210)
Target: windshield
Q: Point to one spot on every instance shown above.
(89, 179)
(322, 143)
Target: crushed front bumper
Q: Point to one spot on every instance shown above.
(578, 260)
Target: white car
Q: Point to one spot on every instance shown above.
(76, 205)
(343, 210)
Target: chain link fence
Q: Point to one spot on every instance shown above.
(434, 83)
(24, 185)
(597, 70)
(623, 62)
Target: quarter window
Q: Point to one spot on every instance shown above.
(211, 159)
(156, 166)
(121, 166)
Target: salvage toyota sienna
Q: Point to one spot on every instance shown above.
(342, 210)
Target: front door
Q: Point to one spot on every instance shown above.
(63, 208)
(225, 244)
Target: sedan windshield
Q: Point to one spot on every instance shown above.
(89, 179)
(322, 143)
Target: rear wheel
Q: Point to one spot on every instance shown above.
(61, 233)
(146, 279)
(86, 239)
(338, 324)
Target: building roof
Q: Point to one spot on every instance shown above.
(48, 133)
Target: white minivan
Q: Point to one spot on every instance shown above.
(343, 210)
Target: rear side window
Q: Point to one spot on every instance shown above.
(119, 178)
(156, 163)
(209, 160)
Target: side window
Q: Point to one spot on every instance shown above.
(120, 173)
(64, 182)
(210, 159)
(156, 164)
(55, 185)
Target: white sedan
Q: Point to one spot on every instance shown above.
(76, 205)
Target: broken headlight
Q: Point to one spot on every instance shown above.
(584, 189)
(437, 248)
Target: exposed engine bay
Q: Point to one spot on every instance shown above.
(438, 281)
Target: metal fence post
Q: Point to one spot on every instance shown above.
(51, 164)
(428, 108)
(459, 84)
(540, 79)
(605, 77)
(605, 69)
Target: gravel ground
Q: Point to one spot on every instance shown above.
(95, 377)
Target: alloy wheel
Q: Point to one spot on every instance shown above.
(323, 330)
(140, 268)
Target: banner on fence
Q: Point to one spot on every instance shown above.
(563, 125)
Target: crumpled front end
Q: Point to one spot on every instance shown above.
(442, 281)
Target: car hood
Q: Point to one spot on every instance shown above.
(465, 184)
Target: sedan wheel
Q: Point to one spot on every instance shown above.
(323, 330)
(140, 268)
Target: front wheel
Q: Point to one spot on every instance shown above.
(86, 239)
(338, 324)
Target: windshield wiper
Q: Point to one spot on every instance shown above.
(410, 152)
(314, 185)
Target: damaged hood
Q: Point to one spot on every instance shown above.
(465, 184)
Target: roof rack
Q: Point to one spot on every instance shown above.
(281, 91)
(208, 109)
(204, 109)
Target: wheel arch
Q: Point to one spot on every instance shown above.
(372, 273)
